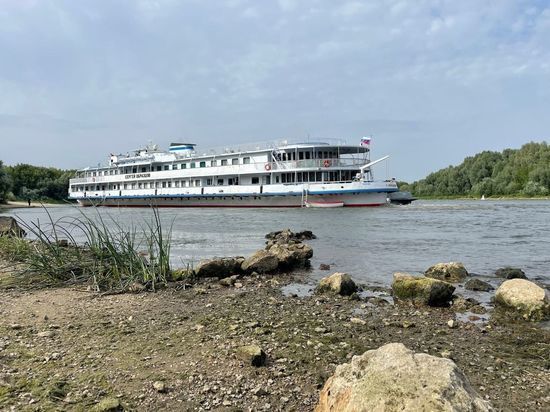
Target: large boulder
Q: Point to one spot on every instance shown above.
(262, 261)
(393, 378)
(10, 227)
(422, 290)
(523, 299)
(219, 267)
(291, 255)
(510, 273)
(453, 272)
(337, 283)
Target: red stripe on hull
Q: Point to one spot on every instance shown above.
(227, 206)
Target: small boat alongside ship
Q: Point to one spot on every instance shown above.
(323, 174)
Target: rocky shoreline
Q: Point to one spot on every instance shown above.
(237, 342)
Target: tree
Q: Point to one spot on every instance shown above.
(4, 183)
(525, 172)
(39, 183)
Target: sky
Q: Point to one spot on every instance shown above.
(433, 81)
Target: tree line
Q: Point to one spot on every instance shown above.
(23, 182)
(512, 172)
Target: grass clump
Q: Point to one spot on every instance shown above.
(111, 257)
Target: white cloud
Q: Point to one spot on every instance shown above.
(272, 69)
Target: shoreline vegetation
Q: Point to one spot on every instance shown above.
(108, 326)
(524, 172)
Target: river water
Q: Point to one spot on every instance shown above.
(368, 243)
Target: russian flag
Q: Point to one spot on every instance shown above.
(365, 141)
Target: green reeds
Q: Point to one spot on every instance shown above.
(111, 257)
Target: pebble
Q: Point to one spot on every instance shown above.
(46, 334)
(159, 386)
(452, 324)
(358, 321)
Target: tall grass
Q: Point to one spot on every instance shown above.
(111, 257)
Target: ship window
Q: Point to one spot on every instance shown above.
(183, 166)
(166, 167)
(140, 185)
(175, 167)
(169, 184)
(255, 180)
(220, 181)
(208, 182)
(202, 164)
(213, 163)
(301, 155)
(246, 160)
(159, 168)
(277, 180)
(134, 169)
(177, 183)
(283, 178)
(163, 184)
(234, 161)
(133, 185)
(197, 183)
(143, 170)
(224, 162)
(308, 155)
(193, 165)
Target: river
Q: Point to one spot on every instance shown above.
(368, 243)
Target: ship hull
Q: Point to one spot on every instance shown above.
(369, 199)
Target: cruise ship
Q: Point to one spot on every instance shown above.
(284, 174)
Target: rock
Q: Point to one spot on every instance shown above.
(478, 285)
(358, 321)
(252, 355)
(397, 379)
(108, 405)
(426, 291)
(287, 236)
(452, 324)
(10, 228)
(136, 287)
(219, 267)
(324, 266)
(262, 261)
(510, 273)
(182, 274)
(452, 272)
(524, 299)
(338, 283)
(291, 255)
(46, 334)
(159, 386)
(230, 281)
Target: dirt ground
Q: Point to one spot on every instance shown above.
(69, 349)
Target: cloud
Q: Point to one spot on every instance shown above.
(241, 70)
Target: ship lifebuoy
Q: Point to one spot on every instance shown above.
(326, 163)
(267, 166)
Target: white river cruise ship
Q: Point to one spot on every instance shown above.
(312, 174)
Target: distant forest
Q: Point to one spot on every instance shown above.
(33, 182)
(520, 172)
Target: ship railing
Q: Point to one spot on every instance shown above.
(316, 163)
(273, 144)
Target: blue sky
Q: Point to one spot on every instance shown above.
(432, 81)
